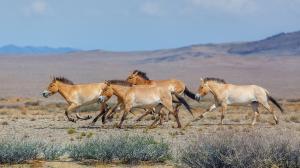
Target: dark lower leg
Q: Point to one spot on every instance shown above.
(69, 118)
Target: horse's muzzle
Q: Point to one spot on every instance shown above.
(101, 99)
(46, 94)
(198, 97)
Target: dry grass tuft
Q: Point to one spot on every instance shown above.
(71, 131)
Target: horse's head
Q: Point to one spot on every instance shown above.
(202, 90)
(137, 77)
(52, 89)
(133, 78)
(106, 93)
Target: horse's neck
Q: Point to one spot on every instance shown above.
(65, 91)
(216, 89)
(120, 90)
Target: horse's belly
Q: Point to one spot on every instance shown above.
(243, 99)
(147, 102)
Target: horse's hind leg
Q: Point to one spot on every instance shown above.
(223, 110)
(255, 110)
(270, 109)
(160, 114)
(82, 118)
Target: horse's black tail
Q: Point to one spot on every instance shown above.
(181, 100)
(275, 102)
(190, 94)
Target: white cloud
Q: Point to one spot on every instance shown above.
(151, 8)
(36, 7)
(39, 6)
(228, 6)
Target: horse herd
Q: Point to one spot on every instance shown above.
(138, 91)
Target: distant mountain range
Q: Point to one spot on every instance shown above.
(283, 44)
(13, 49)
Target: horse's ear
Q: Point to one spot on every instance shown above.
(201, 81)
(52, 77)
(106, 82)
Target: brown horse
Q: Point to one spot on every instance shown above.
(226, 94)
(175, 86)
(75, 95)
(145, 96)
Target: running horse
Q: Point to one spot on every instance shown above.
(138, 96)
(227, 94)
(177, 87)
(76, 95)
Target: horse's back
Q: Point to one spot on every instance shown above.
(173, 85)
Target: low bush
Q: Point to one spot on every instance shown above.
(18, 151)
(127, 149)
(242, 151)
(52, 151)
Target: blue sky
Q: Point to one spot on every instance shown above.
(123, 25)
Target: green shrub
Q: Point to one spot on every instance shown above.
(18, 151)
(242, 151)
(52, 151)
(127, 149)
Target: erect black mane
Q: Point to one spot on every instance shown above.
(63, 80)
(214, 79)
(119, 82)
(141, 74)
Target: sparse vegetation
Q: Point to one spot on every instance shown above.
(128, 149)
(71, 131)
(89, 135)
(240, 151)
(295, 119)
(17, 151)
(52, 151)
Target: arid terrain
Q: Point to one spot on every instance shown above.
(25, 114)
(32, 119)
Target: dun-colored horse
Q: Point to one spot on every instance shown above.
(226, 94)
(75, 95)
(175, 86)
(145, 96)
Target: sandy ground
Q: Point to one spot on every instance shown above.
(31, 119)
(27, 76)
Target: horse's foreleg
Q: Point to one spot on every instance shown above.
(256, 112)
(102, 112)
(126, 111)
(70, 109)
(212, 107)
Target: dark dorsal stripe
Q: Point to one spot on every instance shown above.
(214, 79)
(63, 80)
(141, 74)
(119, 82)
